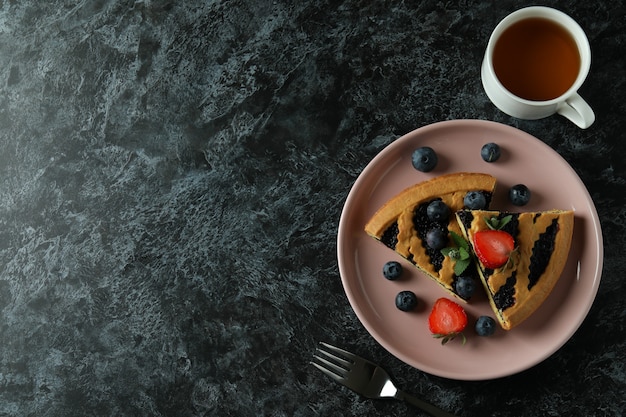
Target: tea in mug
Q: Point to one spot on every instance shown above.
(536, 59)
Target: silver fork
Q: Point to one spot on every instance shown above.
(365, 377)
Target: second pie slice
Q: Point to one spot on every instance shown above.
(541, 242)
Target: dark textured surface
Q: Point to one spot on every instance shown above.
(171, 180)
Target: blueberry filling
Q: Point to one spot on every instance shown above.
(466, 218)
(542, 251)
(505, 296)
(390, 236)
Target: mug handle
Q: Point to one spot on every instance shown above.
(577, 110)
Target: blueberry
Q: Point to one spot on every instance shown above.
(519, 195)
(424, 159)
(475, 200)
(490, 152)
(485, 326)
(438, 211)
(465, 286)
(392, 270)
(437, 238)
(406, 300)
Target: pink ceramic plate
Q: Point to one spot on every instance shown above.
(553, 184)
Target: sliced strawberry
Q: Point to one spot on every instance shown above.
(493, 247)
(447, 320)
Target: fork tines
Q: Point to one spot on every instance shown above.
(335, 363)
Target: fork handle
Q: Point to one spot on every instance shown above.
(423, 405)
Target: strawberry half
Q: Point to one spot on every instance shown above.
(493, 247)
(447, 320)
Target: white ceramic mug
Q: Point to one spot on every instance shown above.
(569, 103)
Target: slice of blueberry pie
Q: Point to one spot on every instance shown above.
(418, 223)
(519, 257)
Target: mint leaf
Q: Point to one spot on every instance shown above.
(453, 253)
(459, 241)
(505, 220)
(496, 224)
(460, 255)
(461, 265)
